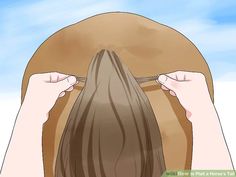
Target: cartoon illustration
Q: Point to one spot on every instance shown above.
(117, 94)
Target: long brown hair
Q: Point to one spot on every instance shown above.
(111, 130)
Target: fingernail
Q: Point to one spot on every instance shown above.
(162, 79)
(71, 80)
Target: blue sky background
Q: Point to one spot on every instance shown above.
(24, 25)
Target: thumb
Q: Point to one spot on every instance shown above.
(169, 82)
(66, 83)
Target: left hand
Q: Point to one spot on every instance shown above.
(44, 89)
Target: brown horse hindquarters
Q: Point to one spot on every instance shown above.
(147, 48)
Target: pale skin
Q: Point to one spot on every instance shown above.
(24, 154)
(209, 146)
(25, 148)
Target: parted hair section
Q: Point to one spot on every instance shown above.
(111, 130)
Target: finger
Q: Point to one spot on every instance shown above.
(178, 75)
(66, 83)
(52, 76)
(164, 88)
(172, 93)
(62, 94)
(56, 77)
(182, 75)
(169, 82)
(70, 89)
(172, 75)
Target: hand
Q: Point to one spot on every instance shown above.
(44, 89)
(189, 87)
(26, 140)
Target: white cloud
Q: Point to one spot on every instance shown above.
(58, 12)
(225, 97)
(229, 76)
(9, 104)
(208, 36)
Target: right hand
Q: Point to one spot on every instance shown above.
(189, 87)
